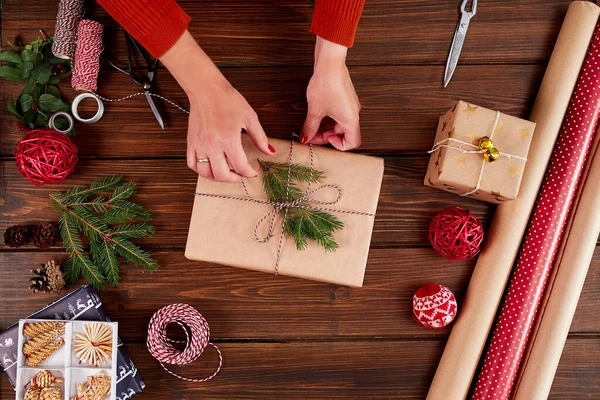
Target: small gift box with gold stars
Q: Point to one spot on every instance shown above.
(479, 153)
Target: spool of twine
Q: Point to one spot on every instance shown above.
(70, 13)
(87, 56)
(197, 334)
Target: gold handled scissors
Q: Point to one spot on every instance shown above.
(459, 38)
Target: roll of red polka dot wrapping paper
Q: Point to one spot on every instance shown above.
(544, 234)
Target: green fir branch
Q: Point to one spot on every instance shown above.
(302, 224)
(134, 254)
(105, 257)
(109, 220)
(79, 263)
(132, 231)
(123, 192)
(96, 187)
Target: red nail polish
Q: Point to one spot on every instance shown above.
(272, 149)
(303, 138)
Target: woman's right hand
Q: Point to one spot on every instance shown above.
(218, 114)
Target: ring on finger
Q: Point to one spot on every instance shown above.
(203, 160)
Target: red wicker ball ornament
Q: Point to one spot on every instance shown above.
(456, 234)
(45, 156)
(434, 306)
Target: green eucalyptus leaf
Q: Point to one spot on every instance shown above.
(26, 69)
(28, 88)
(11, 57)
(39, 57)
(53, 90)
(41, 73)
(53, 80)
(10, 73)
(13, 46)
(13, 65)
(27, 54)
(12, 108)
(26, 101)
(29, 118)
(28, 47)
(41, 120)
(52, 103)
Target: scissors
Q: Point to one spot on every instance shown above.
(144, 78)
(459, 39)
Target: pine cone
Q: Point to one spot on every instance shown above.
(55, 276)
(48, 278)
(17, 235)
(39, 281)
(44, 235)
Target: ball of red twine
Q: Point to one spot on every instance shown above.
(434, 306)
(197, 334)
(45, 156)
(456, 234)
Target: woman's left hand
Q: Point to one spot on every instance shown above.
(333, 106)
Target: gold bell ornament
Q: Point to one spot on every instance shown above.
(491, 153)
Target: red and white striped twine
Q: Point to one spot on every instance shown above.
(70, 13)
(197, 334)
(87, 56)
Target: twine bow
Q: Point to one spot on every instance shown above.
(300, 202)
(485, 148)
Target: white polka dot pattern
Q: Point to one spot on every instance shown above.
(534, 264)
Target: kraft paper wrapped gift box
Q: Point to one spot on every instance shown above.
(457, 164)
(221, 229)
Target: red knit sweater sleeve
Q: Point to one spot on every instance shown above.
(156, 24)
(336, 20)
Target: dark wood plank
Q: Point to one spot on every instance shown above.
(167, 186)
(244, 304)
(272, 32)
(336, 370)
(401, 106)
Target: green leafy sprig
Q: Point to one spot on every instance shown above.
(103, 213)
(35, 65)
(302, 224)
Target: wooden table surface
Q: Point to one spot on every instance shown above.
(281, 337)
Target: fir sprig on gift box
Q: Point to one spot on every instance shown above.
(303, 224)
(34, 65)
(103, 213)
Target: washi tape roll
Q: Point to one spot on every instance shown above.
(78, 100)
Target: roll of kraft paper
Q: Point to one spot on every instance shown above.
(468, 337)
(544, 235)
(551, 330)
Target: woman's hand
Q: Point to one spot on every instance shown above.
(333, 106)
(218, 113)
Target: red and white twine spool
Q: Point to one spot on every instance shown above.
(70, 13)
(197, 334)
(87, 56)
